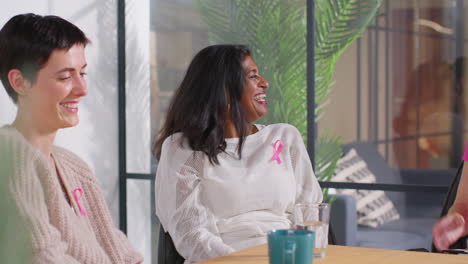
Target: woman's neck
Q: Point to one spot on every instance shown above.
(42, 139)
(230, 130)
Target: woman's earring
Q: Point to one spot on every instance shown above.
(229, 107)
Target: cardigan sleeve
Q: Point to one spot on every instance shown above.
(309, 190)
(191, 225)
(28, 193)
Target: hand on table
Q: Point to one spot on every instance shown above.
(450, 228)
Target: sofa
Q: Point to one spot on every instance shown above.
(418, 210)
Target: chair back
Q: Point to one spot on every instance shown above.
(167, 253)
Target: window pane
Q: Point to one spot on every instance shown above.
(398, 101)
(279, 49)
(139, 217)
(138, 57)
(405, 90)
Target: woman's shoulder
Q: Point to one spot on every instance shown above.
(288, 134)
(281, 128)
(9, 134)
(174, 138)
(13, 141)
(176, 151)
(175, 143)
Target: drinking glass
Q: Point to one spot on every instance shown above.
(314, 217)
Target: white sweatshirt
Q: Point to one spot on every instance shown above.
(212, 210)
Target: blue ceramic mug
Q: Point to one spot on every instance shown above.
(291, 246)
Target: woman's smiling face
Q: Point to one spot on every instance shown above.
(254, 96)
(53, 98)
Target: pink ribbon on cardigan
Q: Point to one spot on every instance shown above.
(277, 147)
(77, 193)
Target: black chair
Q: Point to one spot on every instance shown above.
(331, 235)
(167, 253)
(449, 200)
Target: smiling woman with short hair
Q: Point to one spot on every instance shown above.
(43, 68)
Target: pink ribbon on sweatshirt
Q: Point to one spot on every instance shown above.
(277, 147)
(77, 194)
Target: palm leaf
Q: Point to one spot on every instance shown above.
(338, 24)
(328, 152)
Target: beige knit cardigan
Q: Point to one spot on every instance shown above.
(60, 231)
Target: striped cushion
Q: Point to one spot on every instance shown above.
(374, 208)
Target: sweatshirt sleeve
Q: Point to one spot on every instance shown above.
(307, 184)
(191, 225)
(28, 193)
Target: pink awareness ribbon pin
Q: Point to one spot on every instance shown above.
(277, 147)
(77, 193)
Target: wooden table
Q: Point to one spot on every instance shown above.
(346, 255)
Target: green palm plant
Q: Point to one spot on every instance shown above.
(275, 30)
(338, 23)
